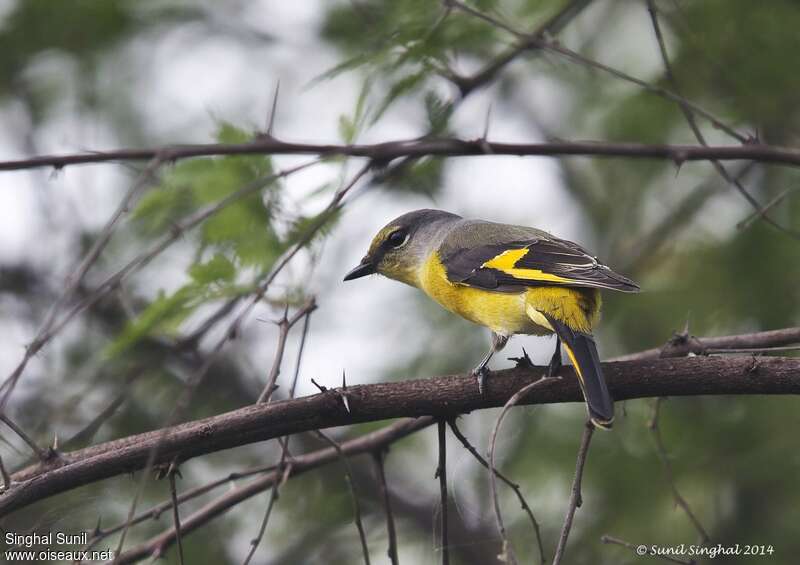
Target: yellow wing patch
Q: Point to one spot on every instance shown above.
(506, 261)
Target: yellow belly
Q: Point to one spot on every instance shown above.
(508, 313)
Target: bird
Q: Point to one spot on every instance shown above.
(511, 279)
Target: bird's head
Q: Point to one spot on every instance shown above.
(400, 248)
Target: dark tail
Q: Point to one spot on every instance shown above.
(582, 351)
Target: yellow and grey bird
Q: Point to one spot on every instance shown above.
(511, 279)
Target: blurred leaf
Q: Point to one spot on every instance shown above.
(216, 269)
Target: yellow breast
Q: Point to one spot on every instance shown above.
(503, 313)
(511, 313)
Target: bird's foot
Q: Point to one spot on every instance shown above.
(481, 374)
(523, 362)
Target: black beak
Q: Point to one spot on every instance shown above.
(364, 269)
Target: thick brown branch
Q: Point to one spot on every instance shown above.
(442, 147)
(438, 396)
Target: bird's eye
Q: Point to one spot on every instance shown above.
(397, 239)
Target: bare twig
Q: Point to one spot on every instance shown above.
(285, 325)
(688, 110)
(377, 457)
(176, 519)
(354, 497)
(300, 349)
(575, 495)
(435, 147)
(114, 280)
(514, 486)
(43, 335)
(265, 520)
(700, 345)
(42, 454)
(747, 222)
(441, 473)
(652, 425)
(468, 84)
(281, 474)
(637, 548)
(508, 549)
(554, 47)
(299, 465)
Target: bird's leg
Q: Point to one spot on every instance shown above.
(555, 360)
(481, 372)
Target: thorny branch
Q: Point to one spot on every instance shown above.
(387, 151)
(445, 396)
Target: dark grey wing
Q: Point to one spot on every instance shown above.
(507, 264)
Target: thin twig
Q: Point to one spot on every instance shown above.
(508, 549)
(299, 465)
(542, 43)
(272, 498)
(300, 349)
(669, 475)
(73, 281)
(42, 454)
(114, 280)
(377, 457)
(511, 484)
(353, 496)
(747, 222)
(637, 548)
(688, 110)
(441, 473)
(285, 325)
(575, 499)
(176, 519)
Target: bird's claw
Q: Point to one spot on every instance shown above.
(481, 373)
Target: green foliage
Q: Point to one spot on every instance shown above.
(238, 238)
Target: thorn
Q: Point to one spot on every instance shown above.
(319, 386)
(522, 362)
(679, 158)
(54, 447)
(486, 123)
(686, 326)
(97, 530)
(344, 380)
(345, 402)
